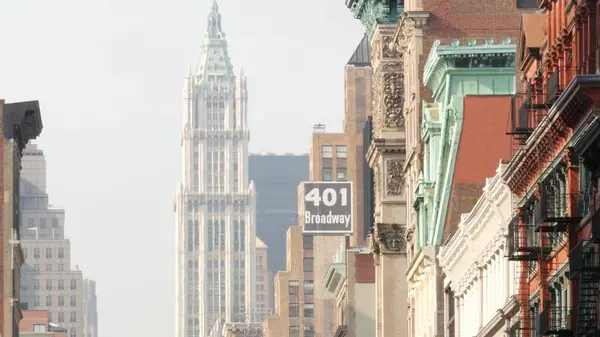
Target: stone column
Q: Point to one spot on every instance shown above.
(386, 156)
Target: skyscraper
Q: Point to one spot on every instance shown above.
(215, 202)
(48, 281)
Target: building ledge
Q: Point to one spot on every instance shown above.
(341, 331)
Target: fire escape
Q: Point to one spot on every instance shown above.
(584, 258)
(525, 248)
(554, 213)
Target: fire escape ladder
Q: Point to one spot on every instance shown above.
(585, 269)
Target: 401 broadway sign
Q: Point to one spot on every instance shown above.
(327, 207)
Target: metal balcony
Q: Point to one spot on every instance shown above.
(554, 321)
(583, 259)
(551, 214)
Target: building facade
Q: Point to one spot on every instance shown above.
(472, 86)
(21, 123)
(48, 281)
(215, 202)
(294, 290)
(340, 157)
(36, 323)
(276, 176)
(350, 279)
(479, 282)
(401, 33)
(264, 303)
(553, 175)
(90, 304)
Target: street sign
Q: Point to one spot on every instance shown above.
(327, 207)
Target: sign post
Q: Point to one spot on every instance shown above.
(328, 207)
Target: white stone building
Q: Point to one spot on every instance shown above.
(48, 280)
(479, 280)
(215, 202)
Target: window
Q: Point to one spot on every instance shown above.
(294, 310)
(294, 287)
(73, 317)
(308, 264)
(61, 301)
(61, 284)
(527, 4)
(307, 242)
(43, 223)
(48, 253)
(49, 301)
(39, 328)
(61, 253)
(36, 284)
(326, 151)
(61, 317)
(327, 174)
(309, 331)
(294, 331)
(48, 284)
(36, 253)
(309, 310)
(61, 267)
(341, 174)
(36, 301)
(450, 331)
(54, 222)
(73, 285)
(341, 151)
(73, 301)
(48, 267)
(25, 252)
(309, 287)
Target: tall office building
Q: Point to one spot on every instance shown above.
(276, 177)
(48, 282)
(215, 202)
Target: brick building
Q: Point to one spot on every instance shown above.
(36, 323)
(21, 122)
(554, 172)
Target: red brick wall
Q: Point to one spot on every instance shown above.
(364, 268)
(483, 143)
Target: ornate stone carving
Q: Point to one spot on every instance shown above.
(393, 238)
(393, 97)
(394, 177)
(389, 49)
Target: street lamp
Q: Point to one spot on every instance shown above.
(37, 232)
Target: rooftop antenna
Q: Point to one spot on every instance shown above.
(319, 128)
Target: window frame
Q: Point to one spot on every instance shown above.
(326, 151)
(343, 154)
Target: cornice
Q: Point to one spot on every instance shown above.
(473, 223)
(374, 12)
(471, 56)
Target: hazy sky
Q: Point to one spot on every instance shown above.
(109, 76)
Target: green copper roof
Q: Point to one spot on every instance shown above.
(214, 60)
(372, 12)
(489, 55)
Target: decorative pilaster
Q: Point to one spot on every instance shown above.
(388, 87)
(386, 156)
